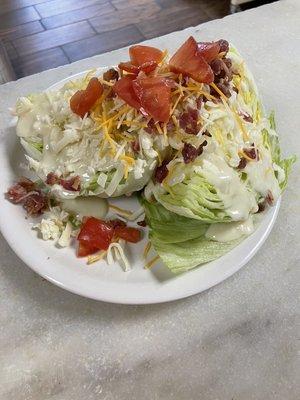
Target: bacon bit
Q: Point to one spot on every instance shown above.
(252, 153)
(72, 184)
(189, 121)
(199, 102)
(246, 117)
(170, 125)
(16, 193)
(200, 148)
(270, 198)
(52, 179)
(24, 192)
(151, 127)
(135, 145)
(26, 183)
(189, 153)
(35, 203)
(142, 223)
(262, 206)
(111, 75)
(116, 223)
(224, 46)
(242, 163)
(161, 172)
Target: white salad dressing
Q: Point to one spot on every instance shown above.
(239, 202)
(225, 232)
(86, 206)
(261, 175)
(32, 113)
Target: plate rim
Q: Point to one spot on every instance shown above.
(32, 262)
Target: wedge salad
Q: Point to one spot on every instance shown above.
(186, 134)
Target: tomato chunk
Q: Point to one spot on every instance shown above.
(84, 249)
(188, 61)
(96, 234)
(124, 89)
(154, 94)
(209, 50)
(140, 55)
(129, 67)
(83, 100)
(129, 234)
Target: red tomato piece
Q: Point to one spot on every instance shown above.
(124, 89)
(129, 67)
(188, 61)
(129, 234)
(209, 50)
(148, 67)
(84, 249)
(140, 55)
(96, 233)
(83, 100)
(154, 94)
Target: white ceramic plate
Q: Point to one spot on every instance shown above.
(100, 281)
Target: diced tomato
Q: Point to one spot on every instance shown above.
(84, 249)
(83, 100)
(133, 69)
(209, 50)
(124, 89)
(188, 61)
(129, 234)
(129, 67)
(154, 95)
(140, 55)
(96, 233)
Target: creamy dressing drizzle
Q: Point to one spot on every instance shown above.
(239, 202)
(225, 232)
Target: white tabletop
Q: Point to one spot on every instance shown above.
(237, 341)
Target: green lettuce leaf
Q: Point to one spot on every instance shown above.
(271, 142)
(181, 257)
(180, 241)
(194, 198)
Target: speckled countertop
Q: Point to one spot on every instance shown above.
(239, 340)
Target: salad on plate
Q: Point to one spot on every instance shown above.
(187, 135)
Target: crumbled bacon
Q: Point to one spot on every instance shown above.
(161, 172)
(16, 193)
(252, 152)
(188, 121)
(116, 223)
(199, 102)
(72, 184)
(200, 148)
(247, 117)
(26, 183)
(142, 223)
(270, 198)
(111, 75)
(189, 153)
(25, 192)
(35, 203)
(242, 163)
(135, 145)
(52, 179)
(224, 46)
(262, 206)
(151, 127)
